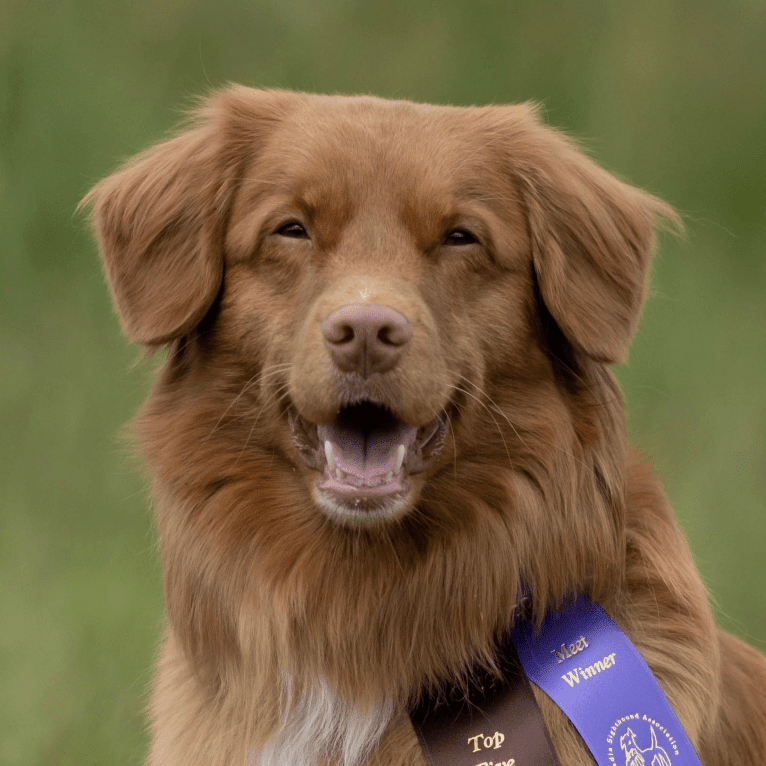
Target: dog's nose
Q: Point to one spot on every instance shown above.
(366, 338)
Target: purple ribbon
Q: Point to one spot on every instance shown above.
(583, 661)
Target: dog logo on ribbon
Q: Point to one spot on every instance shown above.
(654, 755)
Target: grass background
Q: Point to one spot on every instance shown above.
(668, 93)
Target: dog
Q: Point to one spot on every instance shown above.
(635, 756)
(386, 409)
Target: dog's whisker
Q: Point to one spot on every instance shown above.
(451, 428)
(279, 395)
(499, 430)
(255, 380)
(499, 410)
(483, 393)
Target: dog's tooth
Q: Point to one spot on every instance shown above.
(339, 475)
(328, 454)
(400, 450)
(388, 476)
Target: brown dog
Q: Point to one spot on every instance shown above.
(386, 404)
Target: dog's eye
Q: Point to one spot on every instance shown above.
(459, 237)
(294, 230)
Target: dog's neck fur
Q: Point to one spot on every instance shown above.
(321, 725)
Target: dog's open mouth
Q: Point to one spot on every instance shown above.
(365, 455)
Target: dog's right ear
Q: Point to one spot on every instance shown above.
(160, 220)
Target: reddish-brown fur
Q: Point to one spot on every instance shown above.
(512, 336)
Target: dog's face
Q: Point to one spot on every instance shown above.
(374, 283)
(378, 269)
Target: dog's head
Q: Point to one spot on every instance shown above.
(391, 315)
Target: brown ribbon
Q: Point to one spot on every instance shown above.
(498, 723)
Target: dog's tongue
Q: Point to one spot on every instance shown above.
(366, 454)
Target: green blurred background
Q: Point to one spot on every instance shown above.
(670, 94)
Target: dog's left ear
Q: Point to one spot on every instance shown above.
(592, 238)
